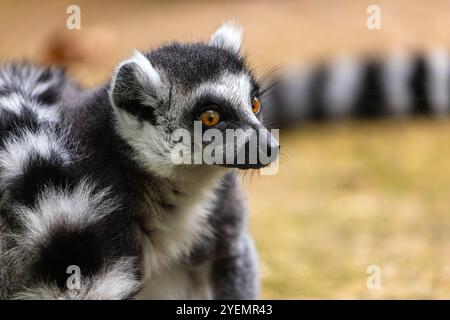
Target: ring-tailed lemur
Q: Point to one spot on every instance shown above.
(88, 184)
(401, 84)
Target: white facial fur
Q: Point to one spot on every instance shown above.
(234, 86)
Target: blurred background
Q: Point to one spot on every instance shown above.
(348, 194)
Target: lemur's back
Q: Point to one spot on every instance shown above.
(52, 214)
(27, 116)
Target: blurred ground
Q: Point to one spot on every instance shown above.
(348, 195)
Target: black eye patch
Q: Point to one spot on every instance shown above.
(207, 102)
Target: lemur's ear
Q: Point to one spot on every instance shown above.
(136, 87)
(228, 36)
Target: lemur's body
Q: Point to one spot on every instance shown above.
(181, 224)
(92, 183)
(396, 85)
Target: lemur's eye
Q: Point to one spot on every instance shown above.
(256, 105)
(210, 118)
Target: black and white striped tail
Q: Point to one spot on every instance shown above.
(397, 85)
(53, 221)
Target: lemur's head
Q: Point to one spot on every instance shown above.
(193, 87)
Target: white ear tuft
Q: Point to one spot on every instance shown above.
(140, 67)
(145, 66)
(228, 36)
(135, 83)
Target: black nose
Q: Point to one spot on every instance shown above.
(248, 157)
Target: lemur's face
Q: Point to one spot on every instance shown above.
(204, 87)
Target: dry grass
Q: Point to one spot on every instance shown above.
(352, 195)
(347, 195)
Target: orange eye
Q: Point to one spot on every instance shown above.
(256, 105)
(210, 118)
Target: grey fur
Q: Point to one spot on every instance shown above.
(396, 85)
(165, 230)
